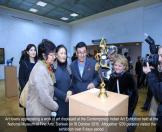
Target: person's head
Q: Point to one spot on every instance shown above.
(126, 54)
(61, 53)
(29, 52)
(46, 51)
(160, 55)
(112, 57)
(113, 52)
(120, 64)
(81, 51)
(139, 58)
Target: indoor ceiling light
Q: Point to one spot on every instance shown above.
(41, 3)
(64, 18)
(74, 14)
(33, 10)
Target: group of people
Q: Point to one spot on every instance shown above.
(52, 80)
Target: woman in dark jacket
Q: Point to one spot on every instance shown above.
(27, 62)
(122, 82)
(63, 81)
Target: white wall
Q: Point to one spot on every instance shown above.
(126, 26)
(15, 34)
(121, 27)
(152, 24)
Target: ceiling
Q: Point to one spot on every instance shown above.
(56, 9)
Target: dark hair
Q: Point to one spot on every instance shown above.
(126, 54)
(25, 56)
(59, 47)
(80, 45)
(45, 47)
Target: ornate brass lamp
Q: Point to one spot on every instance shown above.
(101, 57)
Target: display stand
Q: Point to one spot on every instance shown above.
(10, 81)
(89, 104)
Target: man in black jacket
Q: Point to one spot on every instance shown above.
(155, 84)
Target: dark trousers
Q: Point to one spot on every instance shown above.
(158, 129)
(142, 80)
(138, 80)
(159, 117)
(148, 99)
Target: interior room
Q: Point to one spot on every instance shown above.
(121, 23)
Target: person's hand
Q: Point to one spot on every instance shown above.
(147, 68)
(90, 86)
(97, 67)
(69, 93)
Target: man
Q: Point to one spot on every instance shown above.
(84, 75)
(138, 70)
(155, 84)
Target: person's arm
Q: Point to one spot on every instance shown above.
(59, 94)
(72, 79)
(153, 82)
(96, 79)
(133, 95)
(22, 75)
(155, 85)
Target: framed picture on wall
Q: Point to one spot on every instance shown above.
(2, 56)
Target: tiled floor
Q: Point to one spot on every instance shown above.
(10, 107)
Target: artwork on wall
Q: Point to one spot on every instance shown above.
(2, 56)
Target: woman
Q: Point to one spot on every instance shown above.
(27, 62)
(63, 81)
(122, 82)
(40, 101)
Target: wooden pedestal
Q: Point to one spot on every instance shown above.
(89, 104)
(10, 81)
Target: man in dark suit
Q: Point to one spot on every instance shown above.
(84, 75)
(155, 84)
(138, 70)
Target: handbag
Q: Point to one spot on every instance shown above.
(23, 95)
(153, 107)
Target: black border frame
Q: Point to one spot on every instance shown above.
(2, 56)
